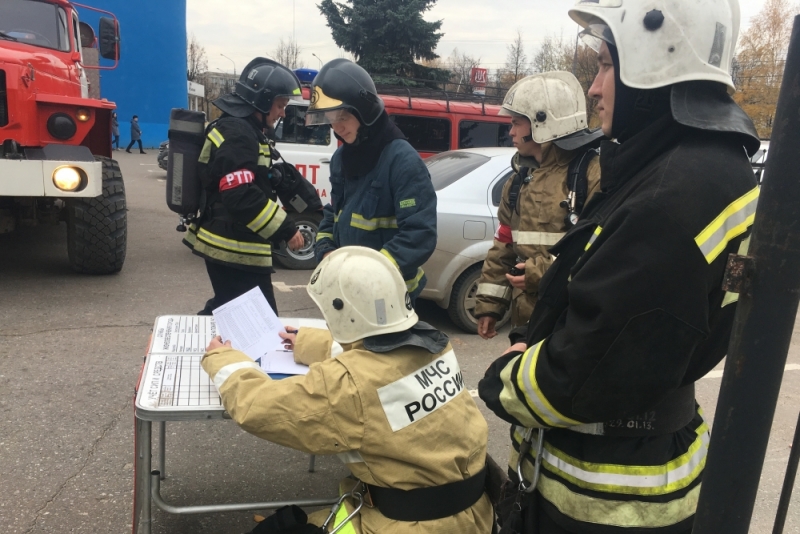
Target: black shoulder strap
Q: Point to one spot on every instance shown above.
(516, 185)
(577, 180)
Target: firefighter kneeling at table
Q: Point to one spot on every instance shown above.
(391, 404)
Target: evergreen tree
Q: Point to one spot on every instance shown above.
(386, 36)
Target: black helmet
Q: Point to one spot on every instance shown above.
(262, 80)
(343, 85)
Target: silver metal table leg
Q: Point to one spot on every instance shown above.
(312, 459)
(162, 447)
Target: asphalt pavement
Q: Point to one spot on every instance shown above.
(72, 347)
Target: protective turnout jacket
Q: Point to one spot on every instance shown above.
(392, 209)
(241, 217)
(629, 316)
(526, 231)
(399, 419)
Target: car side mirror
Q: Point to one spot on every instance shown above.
(109, 38)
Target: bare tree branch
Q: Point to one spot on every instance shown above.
(196, 61)
(288, 54)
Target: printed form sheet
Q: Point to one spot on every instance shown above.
(173, 378)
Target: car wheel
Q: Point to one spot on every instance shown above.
(308, 226)
(463, 301)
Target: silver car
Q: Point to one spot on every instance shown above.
(468, 187)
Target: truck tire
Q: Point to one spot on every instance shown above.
(308, 225)
(97, 228)
(462, 301)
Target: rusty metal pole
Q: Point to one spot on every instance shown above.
(762, 329)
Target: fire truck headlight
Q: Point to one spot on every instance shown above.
(61, 126)
(83, 115)
(69, 178)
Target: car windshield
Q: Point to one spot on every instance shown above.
(449, 167)
(35, 23)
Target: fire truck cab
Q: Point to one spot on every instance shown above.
(55, 141)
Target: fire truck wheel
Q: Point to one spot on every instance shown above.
(308, 226)
(97, 228)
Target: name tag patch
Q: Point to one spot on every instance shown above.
(417, 395)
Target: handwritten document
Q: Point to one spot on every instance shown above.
(252, 327)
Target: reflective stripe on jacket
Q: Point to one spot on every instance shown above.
(630, 312)
(360, 406)
(536, 224)
(242, 217)
(392, 209)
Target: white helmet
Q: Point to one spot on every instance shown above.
(553, 101)
(361, 294)
(664, 42)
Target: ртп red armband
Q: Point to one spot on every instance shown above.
(503, 234)
(235, 179)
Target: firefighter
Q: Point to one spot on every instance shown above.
(392, 405)
(241, 218)
(548, 128)
(631, 313)
(381, 192)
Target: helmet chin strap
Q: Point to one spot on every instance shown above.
(528, 138)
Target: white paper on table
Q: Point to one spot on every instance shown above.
(250, 324)
(281, 362)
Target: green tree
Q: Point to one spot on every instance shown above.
(386, 37)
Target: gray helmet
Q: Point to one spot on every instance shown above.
(261, 81)
(343, 85)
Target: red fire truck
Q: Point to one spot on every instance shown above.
(55, 141)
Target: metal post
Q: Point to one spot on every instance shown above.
(788, 482)
(762, 330)
(162, 448)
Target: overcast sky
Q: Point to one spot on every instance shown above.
(243, 30)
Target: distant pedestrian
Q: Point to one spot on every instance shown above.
(136, 135)
(115, 130)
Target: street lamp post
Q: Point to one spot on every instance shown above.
(318, 59)
(232, 61)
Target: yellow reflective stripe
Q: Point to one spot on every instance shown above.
(494, 290)
(526, 380)
(358, 221)
(536, 238)
(264, 249)
(263, 218)
(232, 257)
(205, 154)
(509, 399)
(341, 515)
(593, 238)
(264, 155)
(216, 137)
(336, 216)
(629, 479)
(413, 284)
(391, 258)
(617, 513)
(324, 235)
(732, 222)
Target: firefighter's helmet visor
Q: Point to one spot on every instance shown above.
(326, 117)
(594, 35)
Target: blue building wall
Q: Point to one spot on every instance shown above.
(151, 77)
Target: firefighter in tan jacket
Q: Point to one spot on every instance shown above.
(392, 405)
(555, 171)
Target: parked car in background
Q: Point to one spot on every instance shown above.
(163, 155)
(468, 185)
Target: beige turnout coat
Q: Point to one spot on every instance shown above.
(527, 231)
(339, 407)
